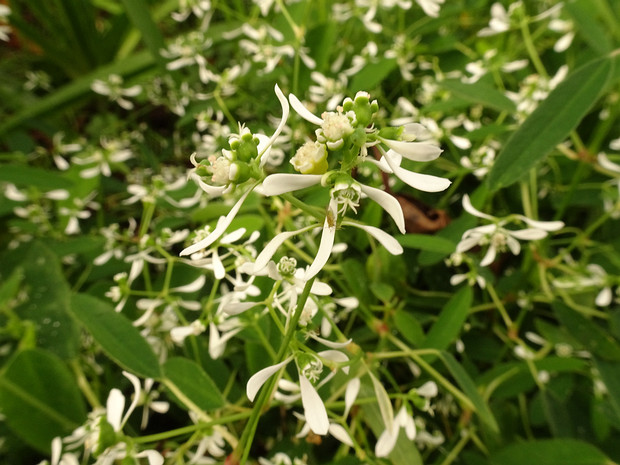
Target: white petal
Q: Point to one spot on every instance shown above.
(239, 307)
(469, 208)
(314, 409)
(384, 238)
(194, 286)
(545, 225)
(303, 111)
(259, 378)
(179, 333)
(340, 433)
(388, 203)
(529, 234)
(279, 183)
(221, 227)
(423, 182)
(152, 456)
(607, 163)
(416, 151)
(211, 190)
(114, 408)
(351, 392)
(386, 443)
(335, 356)
(428, 389)
(603, 299)
(218, 267)
(319, 288)
(56, 450)
(331, 344)
(233, 236)
(270, 249)
(489, 257)
(324, 252)
(135, 381)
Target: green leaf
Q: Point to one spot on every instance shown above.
(450, 322)
(610, 374)
(26, 176)
(592, 336)
(479, 92)
(469, 388)
(118, 338)
(372, 74)
(39, 398)
(47, 298)
(550, 123)
(192, 381)
(550, 452)
(409, 326)
(592, 30)
(437, 244)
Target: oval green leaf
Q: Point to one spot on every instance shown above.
(550, 452)
(118, 338)
(550, 123)
(193, 382)
(39, 398)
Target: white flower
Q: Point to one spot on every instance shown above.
(498, 238)
(112, 87)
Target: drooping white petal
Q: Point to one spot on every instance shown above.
(115, 405)
(179, 333)
(56, 450)
(545, 225)
(331, 344)
(384, 238)
(279, 183)
(221, 227)
(386, 442)
(135, 381)
(218, 267)
(606, 163)
(428, 389)
(529, 234)
(416, 151)
(423, 182)
(325, 249)
(320, 288)
(285, 111)
(239, 307)
(340, 433)
(152, 457)
(604, 298)
(314, 409)
(350, 394)
(335, 356)
(469, 208)
(211, 190)
(259, 378)
(194, 286)
(489, 256)
(513, 245)
(303, 111)
(388, 203)
(233, 236)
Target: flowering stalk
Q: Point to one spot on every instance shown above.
(240, 455)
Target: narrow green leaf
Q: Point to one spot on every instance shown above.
(140, 15)
(193, 382)
(550, 452)
(592, 336)
(450, 322)
(372, 74)
(409, 327)
(592, 30)
(437, 244)
(550, 123)
(481, 93)
(39, 398)
(118, 338)
(470, 390)
(77, 89)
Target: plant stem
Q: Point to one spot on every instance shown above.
(242, 451)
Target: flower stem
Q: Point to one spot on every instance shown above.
(242, 451)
